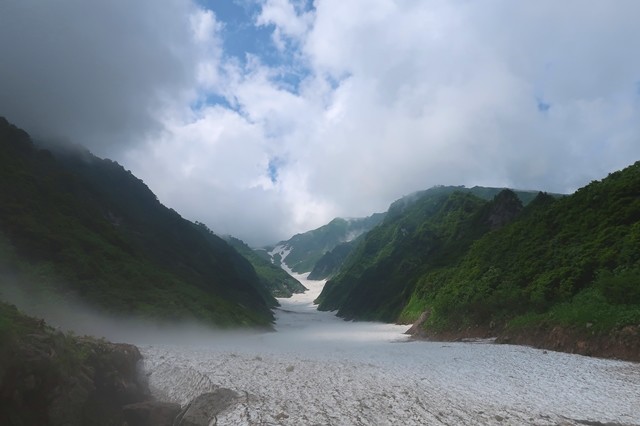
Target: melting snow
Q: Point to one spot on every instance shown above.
(318, 369)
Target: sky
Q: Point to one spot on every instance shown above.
(265, 118)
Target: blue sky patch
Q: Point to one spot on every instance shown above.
(542, 105)
(241, 38)
(273, 167)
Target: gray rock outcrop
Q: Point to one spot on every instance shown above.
(204, 409)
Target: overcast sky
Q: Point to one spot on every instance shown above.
(263, 118)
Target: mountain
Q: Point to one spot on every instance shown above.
(431, 227)
(71, 222)
(272, 277)
(331, 262)
(304, 250)
(499, 267)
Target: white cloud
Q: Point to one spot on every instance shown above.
(404, 95)
(396, 96)
(94, 73)
(289, 21)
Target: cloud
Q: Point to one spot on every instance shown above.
(354, 103)
(399, 97)
(289, 19)
(95, 73)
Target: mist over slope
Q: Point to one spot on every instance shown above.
(274, 278)
(330, 263)
(375, 278)
(305, 249)
(73, 223)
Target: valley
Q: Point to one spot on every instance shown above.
(87, 246)
(319, 212)
(319, 369)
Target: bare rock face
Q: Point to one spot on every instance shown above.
(505, 207)
(417, 329)
(204, 409)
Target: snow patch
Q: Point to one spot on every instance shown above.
(318, 368)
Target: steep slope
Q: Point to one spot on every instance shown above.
(566, 266)
(51, 378)
(331, 262)
(304, 250)
(73, 218)
(272, 277)
(434, 229)
(568, 262)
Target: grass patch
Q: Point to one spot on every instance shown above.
(588, 307)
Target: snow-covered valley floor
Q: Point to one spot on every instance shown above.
(319, 369)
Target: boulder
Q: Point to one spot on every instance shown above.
(51, 378)
(203, 409)
(417, 329)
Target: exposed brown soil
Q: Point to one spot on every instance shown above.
(623, 344)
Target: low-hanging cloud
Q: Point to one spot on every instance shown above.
(373, 100)
(94, 73)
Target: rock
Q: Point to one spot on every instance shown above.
(203, 409)
(504, 208)
(289, 369)
(504, 340)
(417, 327)
(47, 377)
(281, 416)
(150, 413)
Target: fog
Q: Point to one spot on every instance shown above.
(62, 309)
(318, 369)
(299, 326)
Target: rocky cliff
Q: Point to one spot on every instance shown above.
(51, 378)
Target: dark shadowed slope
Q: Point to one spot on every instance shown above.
(74, 219)
(307, 248)
(272, 277)
(435, 229)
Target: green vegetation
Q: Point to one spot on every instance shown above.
(419, 234)
(567, 261)
(52, 378)
(86, 225)
(272, 277)
(331, 262)
(309, 247)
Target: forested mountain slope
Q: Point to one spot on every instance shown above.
(432, 230)
(331, 262)
(471, 263)
(273, 278)
(305, 249)
(73, 222)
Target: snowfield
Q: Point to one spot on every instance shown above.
(319, 369)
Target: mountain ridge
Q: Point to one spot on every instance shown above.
(477, 268)
(74, 222)
(305, 249)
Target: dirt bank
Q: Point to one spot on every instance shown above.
(623, 343)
